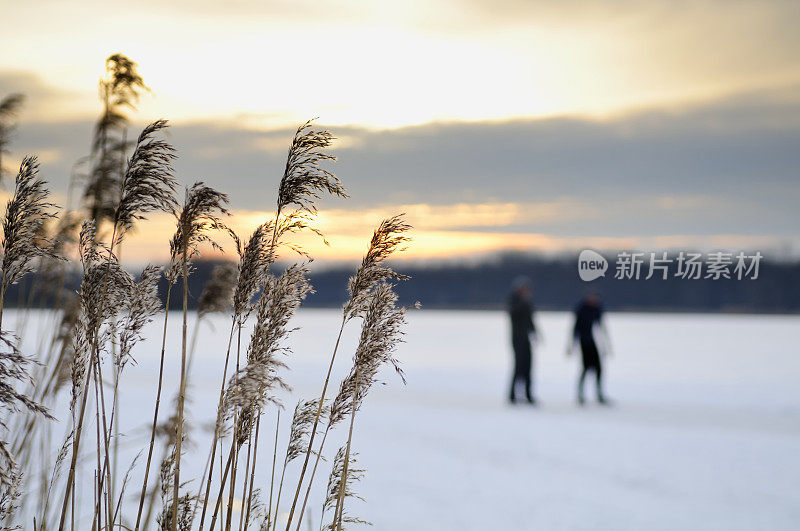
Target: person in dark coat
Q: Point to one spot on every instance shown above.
(520, 310)
(588, 316)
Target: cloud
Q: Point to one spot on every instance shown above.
(400, 63)
(726, 166)
(42, 100)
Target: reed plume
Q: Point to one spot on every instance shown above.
(176, 513)
(202, 211)
(258, 509)
(51, 272)
(123, 82)
(103, 280)
(119, 91)
(388, 238)
(14, 370)
(218, 293)
(103, 322)
(140, 305)
(104, 289)
(250, 386)
(302, 184)
(305, 413)
(56, 359)
(303, 178)
(254, 260)
(148, 183)
(10, 483)
(337, 486)
(381, 331)
(9, 107)
(26, 211)
(250, 389)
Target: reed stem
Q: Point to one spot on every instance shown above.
(155, 411)
(270, 515)
(314, 431)
(94, 356)
(215, 439)
(182, 389)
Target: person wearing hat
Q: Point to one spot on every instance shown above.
(520, 310)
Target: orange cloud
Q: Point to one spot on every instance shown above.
(460, 231)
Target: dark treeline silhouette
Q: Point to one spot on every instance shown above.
(556, 286)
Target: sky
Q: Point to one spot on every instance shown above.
(495, 125)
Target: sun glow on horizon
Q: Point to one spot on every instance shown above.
(462, 231)
(233, 78)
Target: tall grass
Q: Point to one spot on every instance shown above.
(120, 88)
(98, 330)
(9, 107)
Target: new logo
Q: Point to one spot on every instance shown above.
(591, 265)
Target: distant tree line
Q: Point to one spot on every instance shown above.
(555, 281)
(556, 286)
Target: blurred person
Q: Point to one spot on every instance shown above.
(520, 310)
(588, 317)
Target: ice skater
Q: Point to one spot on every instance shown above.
(520, 310)
(588, 317)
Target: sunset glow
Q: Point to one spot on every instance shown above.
(391, 79)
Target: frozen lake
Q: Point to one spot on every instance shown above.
(703, 434)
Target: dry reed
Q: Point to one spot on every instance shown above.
(101, 325)
(201, 213)
(9, 108)
(342, 462)
(119, 91)
(26, 212)
(389, 237)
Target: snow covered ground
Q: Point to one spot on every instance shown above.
(704, 432)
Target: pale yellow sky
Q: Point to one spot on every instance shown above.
(388, 64)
